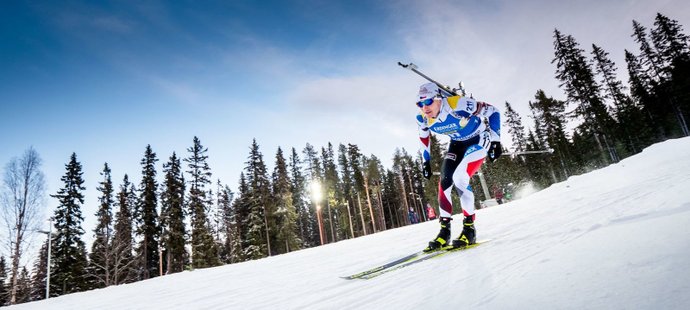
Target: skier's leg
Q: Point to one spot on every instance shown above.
(470, 164)
(445, 187)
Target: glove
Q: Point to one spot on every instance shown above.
(426, 172)
(495, 151)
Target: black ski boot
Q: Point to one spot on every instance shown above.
(468, 235)
(442, 238)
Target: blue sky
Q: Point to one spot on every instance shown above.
(104, 79)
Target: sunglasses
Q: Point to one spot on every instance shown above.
(425, 102)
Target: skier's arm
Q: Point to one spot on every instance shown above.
(490, 112)
(424, 138)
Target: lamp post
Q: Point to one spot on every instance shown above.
(316, 195)
(49, 233)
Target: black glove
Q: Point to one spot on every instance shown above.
(426, 172)
(495, 151)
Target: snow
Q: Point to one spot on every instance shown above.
(618, 237)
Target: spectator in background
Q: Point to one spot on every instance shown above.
(430, 212)
(498, 194)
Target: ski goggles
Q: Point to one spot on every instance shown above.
(425, 102)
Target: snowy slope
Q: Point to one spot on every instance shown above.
(618, 237)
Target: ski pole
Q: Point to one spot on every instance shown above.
(528, 152)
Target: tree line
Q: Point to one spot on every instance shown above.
(326, 194)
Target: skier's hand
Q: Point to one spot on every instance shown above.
(495, 151)
(426, 172)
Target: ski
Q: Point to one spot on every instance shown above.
(415, 260)
(386, 265)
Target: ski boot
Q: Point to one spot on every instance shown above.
(468, 235)
(442, 238)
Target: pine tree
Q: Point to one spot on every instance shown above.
(204, 250)
(231, 246)
(100, 263)
(649, 57)
(123, 259)
(577, 78)
(68, 271)
(313, 174)
(515, 128)
(347, 188)
(242, 208)
(297, 186)
(286, 232)
(549, 116)
(670, 42)
(391, 200)
(641, 91)
(436, 149)
(4, 290)
(627, 113)
(173, 217)
(258, 184)
(331, 192)
(40, 273)
(147, 218)
(656, 63)
(373, 172)
(356, 161)
(674, 53)
(24, 287)
(539, 167)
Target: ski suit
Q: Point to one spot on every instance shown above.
(471, 126)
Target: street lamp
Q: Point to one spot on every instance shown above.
(49, 233)
(316, 195)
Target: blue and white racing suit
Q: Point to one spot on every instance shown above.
(471, 126)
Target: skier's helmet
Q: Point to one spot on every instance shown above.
(428, 91)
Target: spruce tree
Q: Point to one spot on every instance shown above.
(658, 68)
(242, 208)
(260, 208)
(231, 246)
(100, 263)
(356, 161)
(347, 188)
(313, 173)
(515, 128)
(147, 218)
(204, 249)
(286, 216)
(641, 92)
(649, 57)
(632, 127)
(23, 287)
(40, 273)
(670, 41)
(331, 192)
(173, 217)
(674, 53)
(436, 149)
(123, 259)
(549, 115)
(373, 172)
(68, 271)
(391, 200)
(297, 187)
(4, 291)
(577, 78)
